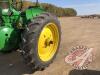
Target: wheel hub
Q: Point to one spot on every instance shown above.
(48, 42)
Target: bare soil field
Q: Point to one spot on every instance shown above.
(75, 31)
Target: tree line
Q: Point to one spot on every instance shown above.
(58, 11)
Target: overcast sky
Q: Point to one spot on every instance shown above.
(83, 7)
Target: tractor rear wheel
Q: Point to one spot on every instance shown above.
(41, 40)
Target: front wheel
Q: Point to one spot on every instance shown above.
(41, 40)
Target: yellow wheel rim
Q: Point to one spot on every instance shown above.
(48, 42)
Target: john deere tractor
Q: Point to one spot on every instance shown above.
(34, 32)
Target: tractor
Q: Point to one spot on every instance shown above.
(34, 32)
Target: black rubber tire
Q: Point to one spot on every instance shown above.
(30, 40)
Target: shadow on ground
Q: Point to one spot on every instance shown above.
(12, 64)
(84, 72)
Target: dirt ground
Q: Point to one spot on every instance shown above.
(75, 31)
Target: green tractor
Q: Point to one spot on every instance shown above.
(34, 32)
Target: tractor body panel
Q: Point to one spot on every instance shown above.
(31, 13)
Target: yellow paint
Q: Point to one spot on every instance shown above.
(48, 42)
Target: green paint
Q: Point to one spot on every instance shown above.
(8, 38)
(33, 12)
